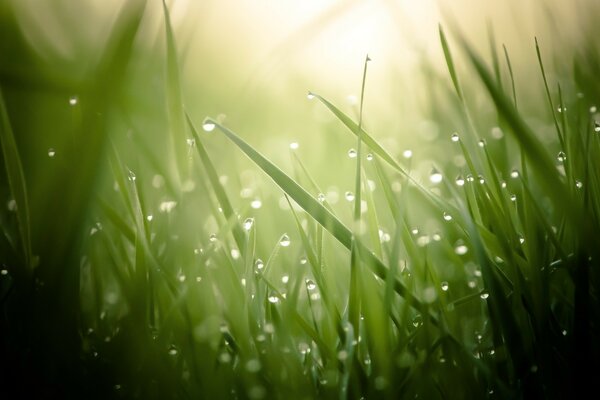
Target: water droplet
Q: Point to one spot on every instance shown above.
(561, 157)
(593, 109)
(414, 231)
(455, 137)
(497, 133)
(470, 178)
(285, 241)
(212, 237)
(51, 152)
(181, 278)
(253, 365)
(310, 96)
(435, 176)
(208, 125)
(514, 174)
(481, 143)
(235, 254)
(460, 181)
(190, 142)
(460, 248)
(273, 299)
(321, 197)
(173, 351)
(303, 260)
(484, 295)
(352, 153)
(294, 145)
(561, 109)
(259, 264)
(596, 127)
(310, 285)
(578, 184)
(3, 272)
(149, 217)
(513, 197)
(131, 176)
(167, 206)
(564, 332)
(73, 100)
(256, 204)
(407, 154)
(349, 196)
(481, 179)
(447, 217)
(11, 205)
(342, 355)
(285, 279)
(521, 239)
(445, 286)
(369, 157)
(248, 224)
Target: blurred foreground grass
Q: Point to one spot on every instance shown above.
(143, 256)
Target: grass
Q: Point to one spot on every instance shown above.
(145, 275)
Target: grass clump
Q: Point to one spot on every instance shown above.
(148, 277)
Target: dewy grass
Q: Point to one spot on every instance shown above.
(479, 287)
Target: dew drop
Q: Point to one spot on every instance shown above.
(248, 222)
(349, 196)
(273, 299)
(73, 100)
(484, 295)
(285, 241)
(369, 157)
(513, 197)
(445, 286)
(481, 143)
(131, 176)
(460, 248)
(212, 237)
(455, 138)
(460, 181)
(578, 184)
(310, 285)
(191, 142)
(481, 179)
(167, 206)
(310, 96)
(352, 153)
(3, 272)
(435, 176)
(447, 217)
(407, 154)
(208, 125)
(256, 204)
(561, 157)
(321, 197)
(285, 279)
(259, 264)
(596, 127)
(514, 174)
(253, 365)
(593, 109)
(173, 351)
(51, 152)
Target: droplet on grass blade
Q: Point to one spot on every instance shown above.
(208, 125)
(455, 138)
(51, 152)
(352, 153)
(273, 299)
(407, 154)
(310, 96)
(294, 145)
(435, 176)
(460, 181)
(484, 295)
(259, 264)
(460, 248)
(349, 196)
(212, 237)
(447, 217)
(561, 157)
(285, 241)
(248, 224)
(256, 204)
(578, 184)
(321, 197)
(445, 286)
(369, 157)
(310, 285)
(481, 143)
(73, 100)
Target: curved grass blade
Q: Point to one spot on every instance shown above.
(317, 211)
(213, 177)
(16, 180)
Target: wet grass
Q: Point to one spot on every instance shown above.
(146, 275)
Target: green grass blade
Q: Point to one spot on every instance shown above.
(213, 177)
(16, 181)
(450, 63)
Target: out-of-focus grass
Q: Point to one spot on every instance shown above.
(145, 257)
